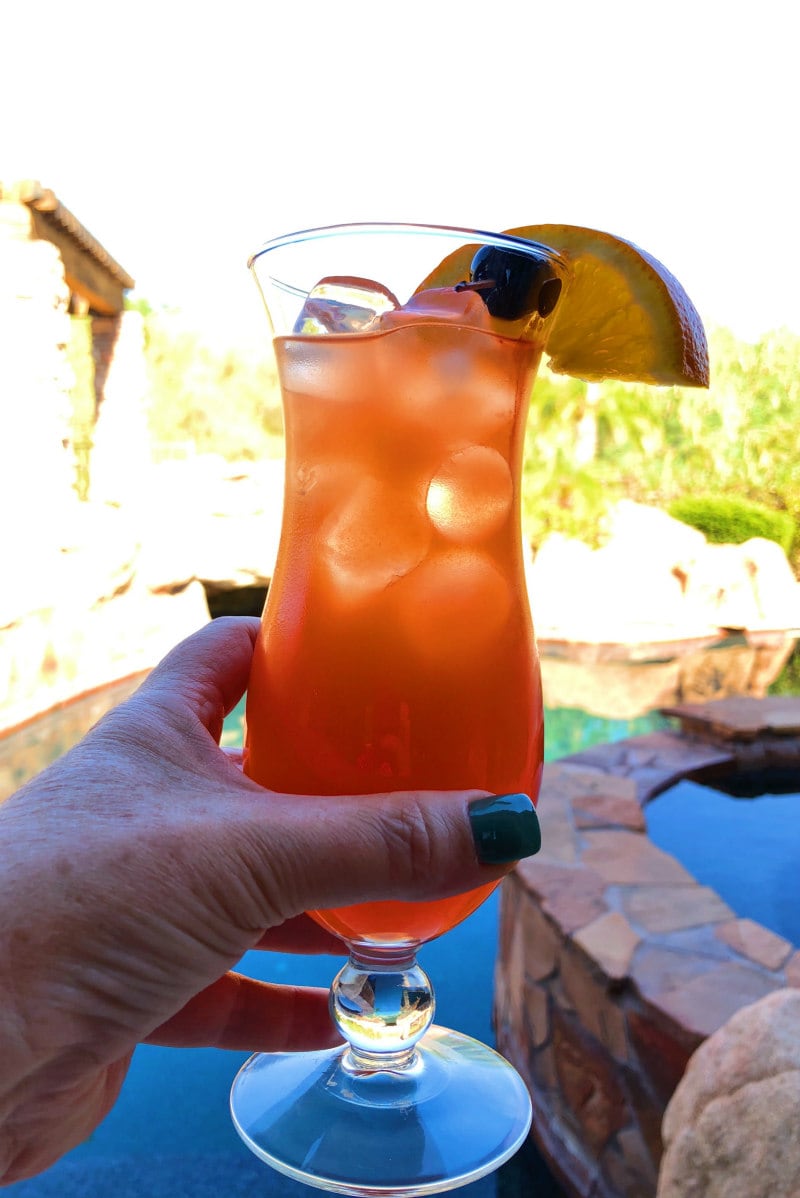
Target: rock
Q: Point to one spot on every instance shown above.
(658, 580)
(74, 613)
(628, 591)
(74, 557)
(611, 689)
(777, 591)
(731, 1128)
(96, 590)
(719, 584)
(56, 653)
(748, 586)
(36, 462)
(654, 535)
(214, 520)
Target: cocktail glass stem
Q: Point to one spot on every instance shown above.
(382, 1003)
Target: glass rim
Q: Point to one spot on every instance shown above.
(400, 228)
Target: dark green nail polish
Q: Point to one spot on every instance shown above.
(505, 828)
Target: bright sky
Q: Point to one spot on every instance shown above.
(183, 135)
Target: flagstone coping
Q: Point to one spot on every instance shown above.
(615, 962)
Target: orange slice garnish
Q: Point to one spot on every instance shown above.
(622, 316)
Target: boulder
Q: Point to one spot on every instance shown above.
(731, 1128)
(210, 519)
(70, 558)
(630, 591)
(99, 590)
(749, 586)
(653, 535)
(74, 613)
(777, 591)
(656, 579)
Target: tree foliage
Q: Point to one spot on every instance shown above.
(585, 446)
(738, 438)
(211, 399)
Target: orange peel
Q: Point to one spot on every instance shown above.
(622, 316)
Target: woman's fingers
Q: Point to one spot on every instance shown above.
(302, 935)
(240, 1013)
(281, 854)
(208, 672)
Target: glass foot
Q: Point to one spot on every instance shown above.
(452, 1115)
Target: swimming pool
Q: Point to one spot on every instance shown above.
(745, 849)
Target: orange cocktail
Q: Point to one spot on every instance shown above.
(397, 651)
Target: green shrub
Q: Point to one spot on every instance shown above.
(788, 681)
(727, 520)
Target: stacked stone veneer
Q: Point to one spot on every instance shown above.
(615, 963)
(78, 607)
(36, 463)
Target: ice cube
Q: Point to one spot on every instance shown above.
(470, 496)
(442, 304)
(344, 304)
(453, 607)
(318, 486)
(376, 536)
(441, 380)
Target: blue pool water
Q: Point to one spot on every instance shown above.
(747, 850)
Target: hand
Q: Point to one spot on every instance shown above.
(136, 871)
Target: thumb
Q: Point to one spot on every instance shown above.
(311, 853)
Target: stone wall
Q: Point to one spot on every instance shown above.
(622, 689)
(36, 461)
(121, 459)
(615, 964)
(105, 331)
(77, 610)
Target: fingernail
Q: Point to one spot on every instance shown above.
(504, 828)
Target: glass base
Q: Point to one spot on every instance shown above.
(456, 1113)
